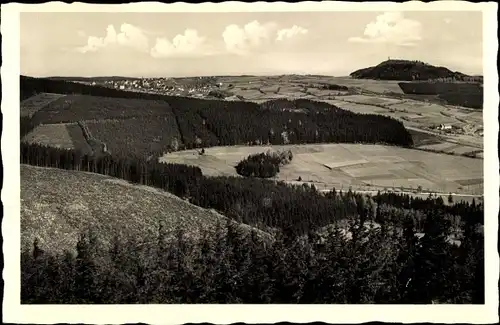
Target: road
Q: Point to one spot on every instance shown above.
(410, 193)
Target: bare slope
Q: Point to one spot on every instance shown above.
(57, 204)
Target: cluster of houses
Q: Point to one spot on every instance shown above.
(164, 86)
(467, 129)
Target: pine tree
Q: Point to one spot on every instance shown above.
(429, 279)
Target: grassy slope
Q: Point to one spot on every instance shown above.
(57, 204)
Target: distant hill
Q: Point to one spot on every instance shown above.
(30, 86)
(90, 79)
(406, 70)
(57, 205)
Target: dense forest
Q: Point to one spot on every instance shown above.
(461, 94)
(310, 261)
(263, 165)
(229, 266)
(204, 123)
(338, 247)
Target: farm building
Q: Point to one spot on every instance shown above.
(444, 127)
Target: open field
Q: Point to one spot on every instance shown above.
(372, 97)
(362, 167)
(375, 86)
(268, 83)
(56, 136)
(33, 104)
(57, 211)
(417, 115)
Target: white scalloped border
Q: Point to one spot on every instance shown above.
(225, 314)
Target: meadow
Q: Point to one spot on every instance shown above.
(423, 117)
(344, 166)
(66, 136)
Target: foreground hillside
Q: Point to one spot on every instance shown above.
(379, 265)
(57, 205)
(371, 265)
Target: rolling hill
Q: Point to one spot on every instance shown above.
(406, 70)
(56, 211)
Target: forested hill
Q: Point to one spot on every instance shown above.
(207, 123)
(30, 86)
(407, 70)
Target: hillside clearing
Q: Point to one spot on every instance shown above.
(52, 135)
(31, 105)
(56, 205)
(142, 136)
(66, 136)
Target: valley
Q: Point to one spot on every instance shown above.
(372, 171)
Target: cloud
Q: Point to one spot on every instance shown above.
(188, 44)
(129, 36)
(392, 28)
(447, 20)
(287, 33)
(241, 40)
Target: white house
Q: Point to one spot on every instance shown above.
(444, 127)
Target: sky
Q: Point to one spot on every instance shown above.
(259, 43)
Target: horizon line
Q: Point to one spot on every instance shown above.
(189, 76)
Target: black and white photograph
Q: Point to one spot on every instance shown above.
(287, 155)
